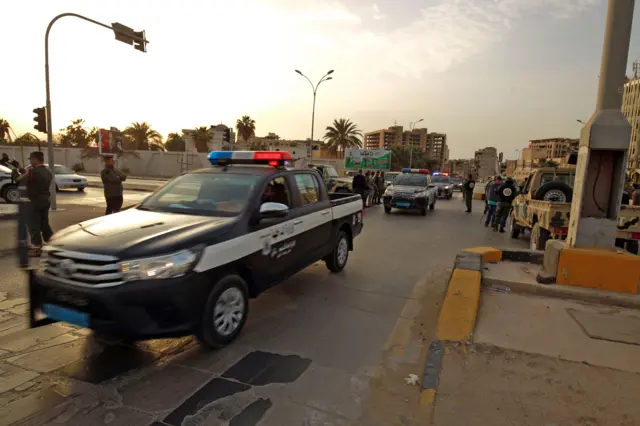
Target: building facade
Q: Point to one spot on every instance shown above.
(631, 110)
(384, 138)
(553, 147)
(485, 163)
(437, 149)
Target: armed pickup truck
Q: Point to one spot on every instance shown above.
(187, 259)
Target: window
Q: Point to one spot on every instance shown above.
(62, 170)
(308, 187)
(565, 178)
(277, 191)
(208, 194)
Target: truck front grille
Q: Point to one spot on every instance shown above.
(83, 269)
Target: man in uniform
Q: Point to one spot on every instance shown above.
(506, 193)
(112, 179)
(38, 181)
(467, 188)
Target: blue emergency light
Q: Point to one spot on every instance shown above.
(271, 158)
(421, 171)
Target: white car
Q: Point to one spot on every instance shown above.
(67, 178)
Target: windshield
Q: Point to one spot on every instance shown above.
(440, 179)
(389, 177)
(457, 180)
(62, 170)
(207, 194)
(330, 172)
(410, 180)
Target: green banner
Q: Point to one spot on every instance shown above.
(367, 159)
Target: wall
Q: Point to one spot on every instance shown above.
(149, 163)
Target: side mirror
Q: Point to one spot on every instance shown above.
(268, 210)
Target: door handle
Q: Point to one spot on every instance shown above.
(298, 222)
(326, 212)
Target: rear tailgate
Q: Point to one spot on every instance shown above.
(348, 207)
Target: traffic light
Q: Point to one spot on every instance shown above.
(40, 119)
(227, 135)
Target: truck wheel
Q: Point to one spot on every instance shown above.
(632, 247)
(513, 226)
(11, 194)
(620, 242)
(337, 259)
(556, 191)
(387, 209)
(432, 205)
(539, 237)
(225, 313)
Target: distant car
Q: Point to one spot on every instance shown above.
(412, 190)
(67, 178)
(457, 183)
(8, 187)
(389, 177)
(443, 184)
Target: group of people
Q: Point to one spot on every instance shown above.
(38, 181)
(369, 184)
(499, 195)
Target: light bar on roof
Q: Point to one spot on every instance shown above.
(420, 171)
(272, 158)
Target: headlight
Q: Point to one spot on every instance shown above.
(160, 267)
(446, 187)
(420, 194)
(388, 191)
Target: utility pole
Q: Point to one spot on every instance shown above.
(604, 142)
(315, 90)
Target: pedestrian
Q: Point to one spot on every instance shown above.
(38, 180)
(112, 179)
(467, 187)
(507, 191)
(492, 200)
(635, 195)
(359, 185)
(380, 187)
(369, 181)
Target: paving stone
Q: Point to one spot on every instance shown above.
(108, 416)
(12, 377)
(12, 303)
(52, 358)
(30, 405)
(19, 310)
(24, 386)
(17, 342)
(12, 324)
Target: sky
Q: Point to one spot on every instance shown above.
(485, 72)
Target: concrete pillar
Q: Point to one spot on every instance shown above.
(604, 141)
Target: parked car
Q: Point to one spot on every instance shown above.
(67, 178)
(8, 187)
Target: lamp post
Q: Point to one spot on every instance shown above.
(123, 34)
(315, 90)
(411, 126)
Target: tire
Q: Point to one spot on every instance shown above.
(514, 227)
(432, 205)
(228, 299)
(11, 194)
(632, 247)
(337, 259)
(387, 209)
(539, 237)
(620, 242)
(555, 191)
(81, 189)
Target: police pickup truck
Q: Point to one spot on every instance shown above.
(412, 190)
(186, 260)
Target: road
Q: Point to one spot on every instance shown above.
(319, 349)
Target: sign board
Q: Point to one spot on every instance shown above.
(104, 142)
(367, 159)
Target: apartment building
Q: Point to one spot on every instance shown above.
(459, 167)
(631, 110)
(384, 138)
(485, 163)
(437, 149)
(553, 147)
(416, 138)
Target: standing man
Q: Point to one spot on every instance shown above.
(38, 181)
(359, 185)
(467, 187)
(112, 179)
(492, 200)
(506, 193)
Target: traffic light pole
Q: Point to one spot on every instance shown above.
(131, 39)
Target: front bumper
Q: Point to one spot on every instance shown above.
(138, 310)
(443, 193)
(405, 203)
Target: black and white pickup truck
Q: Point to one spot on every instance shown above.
(187, 259)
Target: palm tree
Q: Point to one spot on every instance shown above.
(4, 129)
(342, 135)
(246, 127)
(201, 137)
(175, 142)
(143, 137)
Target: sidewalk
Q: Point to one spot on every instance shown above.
(531, 360)
(65, 216)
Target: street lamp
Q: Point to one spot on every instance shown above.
(315, 89)
(411, 126)
(123, 34)
(581, 122)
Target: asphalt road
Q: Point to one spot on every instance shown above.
(319, 349)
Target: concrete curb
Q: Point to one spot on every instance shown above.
(458, 312)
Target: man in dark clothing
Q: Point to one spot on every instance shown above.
(491, 197)
(4, 160)
(467, 188)
(112, 179)
(506, 193)
(38, 181)
(359, 184)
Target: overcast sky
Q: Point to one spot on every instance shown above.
(486, 72)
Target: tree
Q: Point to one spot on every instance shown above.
(402, 156)
(342, 135)
(4, 130)
(175, 142)
(201, 138)
(246, 127)
(77, 134)
(143, 137)
(29, 139)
